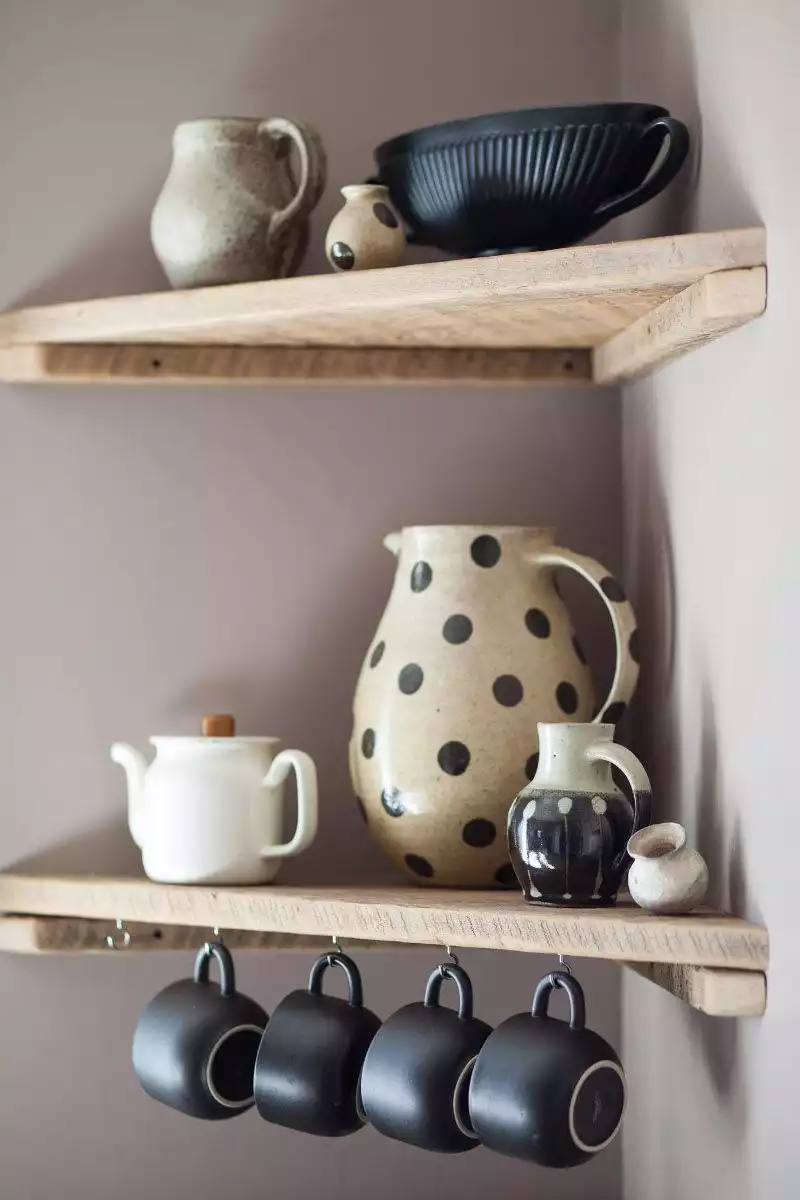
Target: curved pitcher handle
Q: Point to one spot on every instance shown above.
(313, 168)
(623, 620)
(303, 766)
(638, 781)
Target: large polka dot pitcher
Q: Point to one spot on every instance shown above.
(474, 649)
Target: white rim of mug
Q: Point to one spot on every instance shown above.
(220, 1099)
(461, 1083)
(360, 1110)
(598, 1066)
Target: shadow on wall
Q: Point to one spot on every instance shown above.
(668, 76)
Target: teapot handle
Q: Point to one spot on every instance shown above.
(638, 781)
(626, 671)
(313, 166)
(303, 766)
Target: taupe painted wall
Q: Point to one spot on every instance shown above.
(712, 496)
(170, 552)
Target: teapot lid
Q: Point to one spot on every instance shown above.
(214, 727)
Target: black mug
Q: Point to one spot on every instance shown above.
(311, 1054)
(549, 1091)
(415, 1080)
(196, 1042)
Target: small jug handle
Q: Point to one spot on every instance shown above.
(227, 975)
(638, 781)
(312, 169)
(303, 766)
(626, 671)
(355, 992)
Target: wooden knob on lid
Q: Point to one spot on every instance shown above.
(219, 725)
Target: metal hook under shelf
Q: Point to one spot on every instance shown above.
(122, 944)
(564, 965)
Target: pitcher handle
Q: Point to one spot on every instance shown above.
(623, 620)
(312, 168)
(638, 781)
(306, 772)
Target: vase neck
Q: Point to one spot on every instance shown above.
(562, 757)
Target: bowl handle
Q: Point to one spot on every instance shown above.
(678, 136)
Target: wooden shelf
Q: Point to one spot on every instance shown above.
(587, 314)
(711, 961)
(426, 916)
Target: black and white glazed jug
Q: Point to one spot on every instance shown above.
(475, 647)
(568, 829)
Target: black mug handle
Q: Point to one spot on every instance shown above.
(577, 1004)
(355, 993)
(657, 180)
(227, 975)
(462, 981)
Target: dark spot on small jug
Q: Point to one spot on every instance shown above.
(385, 214)
(342, 256)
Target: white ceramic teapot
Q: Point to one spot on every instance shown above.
(210, 809)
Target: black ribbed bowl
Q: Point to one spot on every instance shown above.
(529, 180)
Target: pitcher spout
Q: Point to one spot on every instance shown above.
(134, 763)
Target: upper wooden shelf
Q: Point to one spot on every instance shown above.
(588, 314)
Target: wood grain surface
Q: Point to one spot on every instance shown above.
(494, 920)
(576, 297)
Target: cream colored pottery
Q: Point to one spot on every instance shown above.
(230, 210)
(474, 649)
(366, 233)
(666, 876)
(210, 809)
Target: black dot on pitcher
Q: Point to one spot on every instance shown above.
(633, 645)
(614, 712)
(567, 697)
(578, 648)
(421, 576)
(612, 589)
(479, 832)
(385, 215)
(538, 623)
(368, 743)
(453, 758)
(377, 654)
(531, 765)
(410, 679)
(485, 550)
(505, 875)
(392, 801)
(343, 257)
(457, 629)
(507, 690)
(419, 865)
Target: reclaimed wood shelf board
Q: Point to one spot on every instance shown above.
(716, 991)
(426, 916)
(581, 315)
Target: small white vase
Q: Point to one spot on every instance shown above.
(667, 876)
(366, 233)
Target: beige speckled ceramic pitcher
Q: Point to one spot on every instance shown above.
(230, 210)
(475, 647)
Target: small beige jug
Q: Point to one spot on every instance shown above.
(230, 210)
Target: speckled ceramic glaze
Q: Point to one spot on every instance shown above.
(569, 828)
(230, 210)
(474, 648)
(366, 233)
(666, 875)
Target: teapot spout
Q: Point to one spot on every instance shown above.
(134, 764)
